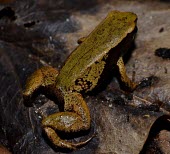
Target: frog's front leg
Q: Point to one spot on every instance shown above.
(42, 78)
(123, 76)
(76, 117)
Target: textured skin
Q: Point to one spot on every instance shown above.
(91, 56)
(91, 61)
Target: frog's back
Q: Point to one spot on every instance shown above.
(107, 35)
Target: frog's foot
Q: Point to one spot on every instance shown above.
(128, 84)
(75, 118)
(57, 141)
(43, 77)
(147, 82)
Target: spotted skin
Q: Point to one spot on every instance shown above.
(88, 65)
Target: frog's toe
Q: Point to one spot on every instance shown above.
(58, 142)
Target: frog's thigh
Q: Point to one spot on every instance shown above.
(124, 78)
(43, 77)
(74, 102)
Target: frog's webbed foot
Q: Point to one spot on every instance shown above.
(75, 118)
(42, 78)
(128, 84)
(58, 142)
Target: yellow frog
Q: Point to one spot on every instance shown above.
(86, 68)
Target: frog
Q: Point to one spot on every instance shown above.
(89, 65)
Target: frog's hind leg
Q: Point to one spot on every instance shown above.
(42, 78)
(128, 84)
(75, 118)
